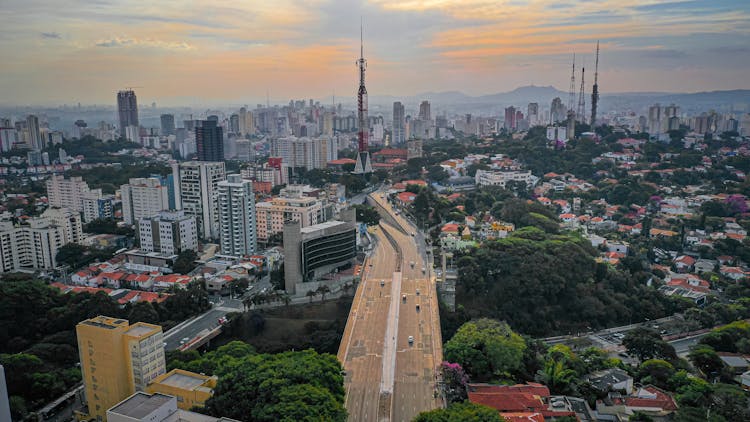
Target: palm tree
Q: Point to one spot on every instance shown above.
(557, 376)
(323, 290)
(311, 294)
(285, 298)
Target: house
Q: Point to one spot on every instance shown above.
(611, 380)
(734, 273)
(704, 266)
(619, 247)
(516, 401)
(449, 228)
(406, 198)
(684, 263)
(736, 362)
(650, 400)
(745, 380)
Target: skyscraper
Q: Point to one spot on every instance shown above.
(399, 124)
(424, 111)
(237, 216)
(168, 233)
(510, 118)
(234, 123)
(557, 111)
(532, 114)
(35, 136)
(167, 124)
(143, 197)
(209, 141)
(196, 192)
(127, 109)
(117, 359)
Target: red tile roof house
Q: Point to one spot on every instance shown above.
(735, 273)
(684, 263)
(406, 198)
(513, 399)
(649, 399)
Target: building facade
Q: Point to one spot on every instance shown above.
(127, 111)
(272, 215)
(399, 124)
(168, 233)
(31, 246)
(143, 197)
(69, 221)
(66, 193)
(501, 178)
(196, 185)
(209, 141)
(167, 124)
(95, 206)
(117, 359)
(237, 216)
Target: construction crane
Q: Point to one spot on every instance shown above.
(582, 98)
(595, 90)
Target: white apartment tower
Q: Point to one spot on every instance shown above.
(143, 198)
(69, 221)
(237, 216)
(168, 233)
(29, 246)
(66, 193)
(196, 186)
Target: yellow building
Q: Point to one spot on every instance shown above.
(117, 359)
(189, 388)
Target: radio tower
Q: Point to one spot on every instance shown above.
(582, 98)
(363, 164)
(595, 90)
(571, 124)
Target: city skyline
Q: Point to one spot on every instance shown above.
(84, 52)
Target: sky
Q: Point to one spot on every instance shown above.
(188, 52)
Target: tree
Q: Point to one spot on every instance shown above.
(705, 359)
(322, 291)
(455, 379)
(487, 349)
(646, 343)
(143, 312)
(311, 294)
(730, 402)
(656, 371)
(437, 174)
(557, 376)
(185, 261)
(464, 412)
(367, 214)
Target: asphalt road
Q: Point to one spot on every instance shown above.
(379, 385)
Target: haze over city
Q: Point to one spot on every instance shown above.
(181, 54)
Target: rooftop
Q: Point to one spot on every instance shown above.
(140, 405)
(321, 226)
(183, 380)
(105, 322)
(141, 329)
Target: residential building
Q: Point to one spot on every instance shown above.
(168, 233)
(157, 407)
(30, 246)
(398, 128)
(35, 141)
(532, 114)
(4, 398)
(424, 111)
(196, 192)
(414, 149)
(127, 110)
(310, 252)
(510, 118)
(209, 141)
(167, 124)
(304, 152)
(291, 206)
(189, 388)
(117, 359)
(69, 221)
(237, 216)
(96, 206)
(66, 193)
(143, 197)
(501, 178)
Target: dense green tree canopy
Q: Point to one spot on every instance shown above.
(486, 349)
(646, 343)
(461, 412)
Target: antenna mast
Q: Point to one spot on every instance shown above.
(595, 90)
(572, 92)
(582, 98)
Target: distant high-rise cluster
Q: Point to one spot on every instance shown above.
(399, 124)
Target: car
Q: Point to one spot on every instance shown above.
(417, 292)
(185, 339)
(382, 283)
(424, 270)
(623, 354)
(411, 339)
(417, 307)
(411, 263)
(403, 298)
(413, 234)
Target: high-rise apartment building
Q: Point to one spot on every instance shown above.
(97, 206)
(234, 123)
(557, 111)
(30, 246)
(35, 141)
(66, 193)
(168, 233)
(117, 359)
(69, 221)
(167, 124)
(424, 111)
(304, 152)
(510, 118)
(654, 119)
(237, 216)
(399, 124)
(127, 110)
(532, 114)
(209, 141)
(196, 186)
(143, 197)
(292, 205)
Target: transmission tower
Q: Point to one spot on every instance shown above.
(572, 92)
(582, 98)
(595, 90)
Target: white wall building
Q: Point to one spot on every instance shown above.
(69, 221)
(168, 233)
(237, 216)
(501, 178)
(66, 193)
(196, 192)
(143, 197)
(30, 246)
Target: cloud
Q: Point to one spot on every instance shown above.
(51, 35)
(146, 43)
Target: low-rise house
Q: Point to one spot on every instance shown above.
(650, 400)
(521, 400)
(734, 273)
(704, 266)
(684, 263)
(736, 362)
(614, 379)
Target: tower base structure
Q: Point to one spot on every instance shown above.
(364, 165)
